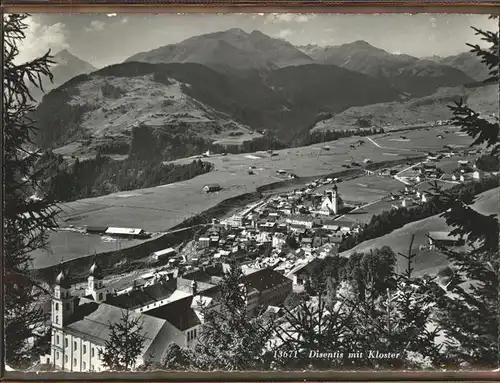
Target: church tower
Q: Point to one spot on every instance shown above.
(63, 304)
(95, 286)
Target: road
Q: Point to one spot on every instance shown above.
(401, 179)
(387, 147)
(361, 207)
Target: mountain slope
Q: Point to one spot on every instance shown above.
(426, 261)
(233, 49)
(467, 62)
(431, 108)
(193, 99)
(67, 66)
(409, 74)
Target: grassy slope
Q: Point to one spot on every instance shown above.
(416, 111)
(426, 261)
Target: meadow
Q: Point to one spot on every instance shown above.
(366, 189)
(426, 262)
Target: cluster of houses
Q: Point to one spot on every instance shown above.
(409, 196)
(301, 218)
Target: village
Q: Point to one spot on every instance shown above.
(285, 232)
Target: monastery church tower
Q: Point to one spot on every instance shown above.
(63, 303)
(95, 287)
(332, 203)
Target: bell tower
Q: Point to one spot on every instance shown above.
(95, 286)
(63, 303)
(335, 202)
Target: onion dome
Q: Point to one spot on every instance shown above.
(63, 280)
(95, 271)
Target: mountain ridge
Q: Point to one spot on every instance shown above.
(233, 48)
(418, 77)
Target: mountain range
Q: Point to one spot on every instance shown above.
(229, 50)
(468, 63)
(230, 84)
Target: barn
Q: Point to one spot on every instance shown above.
(210, 188)
(444, 238)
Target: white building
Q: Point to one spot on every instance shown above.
(332, 203)
(81, 325)
(279, 240)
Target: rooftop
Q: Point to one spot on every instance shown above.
(443, 236)
(92, 320)
(264, 279)
(180, 313)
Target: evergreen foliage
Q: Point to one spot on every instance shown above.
(177, 358)
(229, 340)
(101, 175)
(125, 343)
(467, 306)
(26, 220)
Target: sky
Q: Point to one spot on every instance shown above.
(105, 39)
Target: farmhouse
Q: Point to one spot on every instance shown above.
(210, 188)
(348, 227)
(279, 240)
(443, 238)
(478, 175)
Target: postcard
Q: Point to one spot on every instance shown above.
(203, 192)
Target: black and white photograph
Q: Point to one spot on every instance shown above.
(204, 192)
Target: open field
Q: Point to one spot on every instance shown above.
(365, 214)
(160, 208)
(366, 189)
(415, 112)
(427, 185)
(424, 140)
(426, 261)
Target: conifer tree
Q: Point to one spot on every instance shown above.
(125, 343)
(395, 320)
(177, 358)
(26, 220)
(229, 340)
(469, 303)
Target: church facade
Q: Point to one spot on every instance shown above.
(332, 204)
